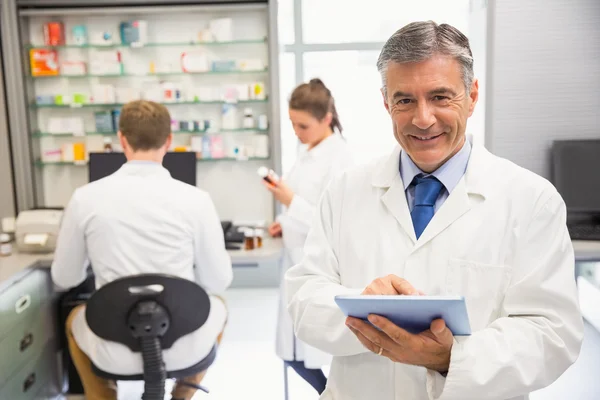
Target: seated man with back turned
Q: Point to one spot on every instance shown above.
(140, 220)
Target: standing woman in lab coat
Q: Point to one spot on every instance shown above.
(315, 121)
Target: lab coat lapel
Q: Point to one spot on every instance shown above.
(455, 206)
(394, 197)
(470, 191)
(395, 201)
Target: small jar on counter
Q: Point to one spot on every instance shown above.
(259, 234)
(249, 239)
(108, 148)
(5, 245)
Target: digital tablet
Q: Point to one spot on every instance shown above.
(412, 313)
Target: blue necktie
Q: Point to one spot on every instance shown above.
(427, 190)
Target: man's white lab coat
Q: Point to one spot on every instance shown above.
(499, 239)
(137, 221)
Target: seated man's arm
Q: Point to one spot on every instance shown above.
(70, 258)
(312, 285)
(540, 333)
(212, 262)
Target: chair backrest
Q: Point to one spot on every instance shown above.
(108, 310)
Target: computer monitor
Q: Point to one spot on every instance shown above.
(181, 165)
(576, 174)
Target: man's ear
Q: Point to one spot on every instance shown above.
(474, 96)
(385, 103)
(123, 141)
(169, 141)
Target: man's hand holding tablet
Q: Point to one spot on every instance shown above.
(429, 348)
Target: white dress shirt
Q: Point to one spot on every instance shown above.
(449, 173)
(140, 220)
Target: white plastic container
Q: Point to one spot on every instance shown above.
(5, 245)
(248, 121)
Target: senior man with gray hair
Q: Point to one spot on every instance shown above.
(439, 216)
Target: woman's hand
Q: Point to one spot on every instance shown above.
(275, 229)
(282, 192)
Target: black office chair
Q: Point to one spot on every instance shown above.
(148, 313)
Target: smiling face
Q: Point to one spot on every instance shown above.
(429, 107)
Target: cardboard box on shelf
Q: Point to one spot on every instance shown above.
(52, 155)
(126, 94)
(250, 64)
(134, 33)
(261, 146)
(217, 149)
(104, 121)
(194, 61)
(257, 91)
(79, 153)
(66, 125)
(104, 94)
(67, 152)
(54, 34)
(73, 68)
(43, 62)
(106, 62)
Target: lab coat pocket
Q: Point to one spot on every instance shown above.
(482, 285)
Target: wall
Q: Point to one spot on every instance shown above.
(543, 79)
(477, 34)
(7, 200)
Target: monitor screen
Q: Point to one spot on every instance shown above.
(181, 165)
(576, 174)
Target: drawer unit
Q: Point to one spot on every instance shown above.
(36, 374)
(24, 342)
(21, 300)
(256, 274)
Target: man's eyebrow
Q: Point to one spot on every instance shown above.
(401, 94)
(434, 92)
(442, 90)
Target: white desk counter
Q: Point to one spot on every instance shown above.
(16, 265)
(248, 264)
(270, 251)
(586, 250)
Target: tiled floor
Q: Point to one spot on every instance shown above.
(247, 367)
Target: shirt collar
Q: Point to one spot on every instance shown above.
(143, 168)
(449, 173)
(142, 162)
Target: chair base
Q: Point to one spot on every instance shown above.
(178, 374)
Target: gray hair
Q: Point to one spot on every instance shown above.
(419, 41)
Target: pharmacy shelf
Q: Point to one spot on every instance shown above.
(220, 131)
(41, 163)
(178, 103)
(69, 134)
(148, 45)
(159, 74)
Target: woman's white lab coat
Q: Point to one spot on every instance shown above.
(499, 239)
(308, 179)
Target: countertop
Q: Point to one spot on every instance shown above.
(18, 264)
(270, 250)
